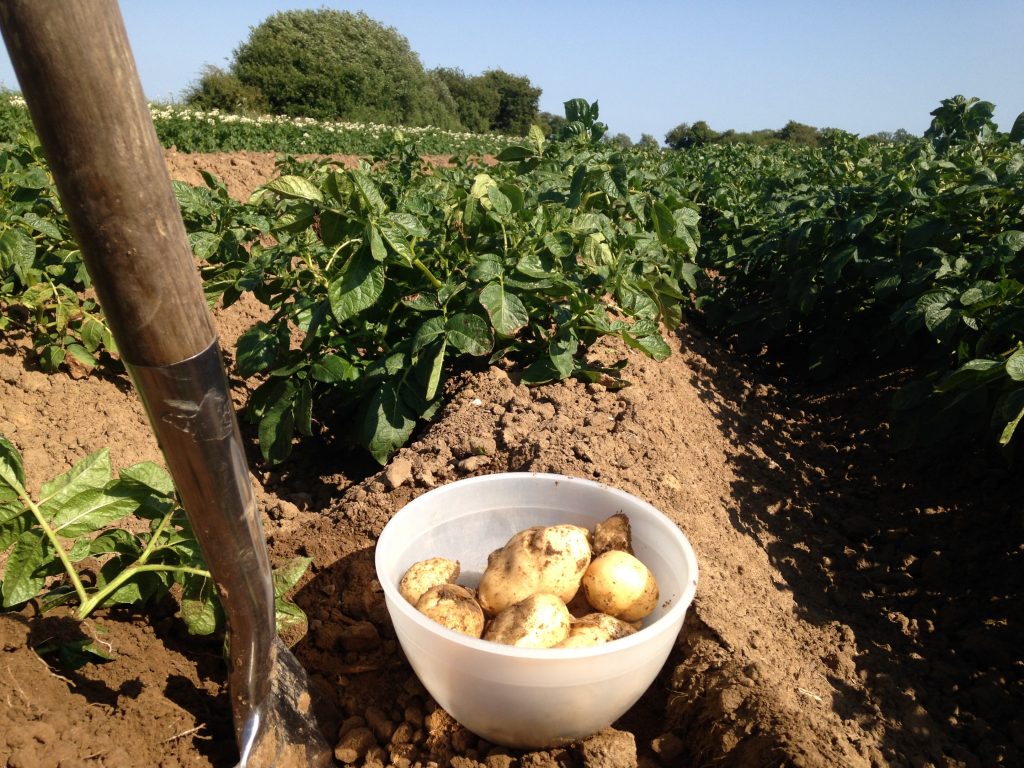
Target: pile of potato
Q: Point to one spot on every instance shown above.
(557, 586)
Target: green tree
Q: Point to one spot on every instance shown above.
(798, 133)
(339, 65)
(647, 141)
(550, 123)
(476, 104)
(620, 140)
(517, 102)
(217, 89)
(684, 135)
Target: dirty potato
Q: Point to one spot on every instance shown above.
(539, 621)
(613, 533)
(618, 584)
(453, 606)
(549, 559)
(595, 629)
(425, 574)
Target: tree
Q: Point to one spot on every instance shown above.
(339, 65)
(620, 140)
(476, 104)
(517, 102)
(647, 141)
(684, 135)
(798, 133)
(217, 89)
(550, 123)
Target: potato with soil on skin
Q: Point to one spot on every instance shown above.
(453, 606)
(618, 584)
(595, 629)
(539, 621)
(549, 559)
(613, 533)
(425, 574)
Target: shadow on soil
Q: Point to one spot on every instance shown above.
(922, 559)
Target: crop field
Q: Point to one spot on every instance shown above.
(811, 359)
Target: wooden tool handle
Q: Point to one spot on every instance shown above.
(78, 77)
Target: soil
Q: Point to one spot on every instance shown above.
(856, 607)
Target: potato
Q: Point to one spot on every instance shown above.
(548, 559)
(595, 629)
(455, 607)
(618, 584)
(539, 621)
(613, 533)
(425, 574)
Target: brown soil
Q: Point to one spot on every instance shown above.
(855, 608)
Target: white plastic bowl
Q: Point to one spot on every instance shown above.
(530, 698)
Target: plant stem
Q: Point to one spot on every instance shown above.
(90, 604)
(426, 271)
(69, 567)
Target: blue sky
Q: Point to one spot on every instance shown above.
(863, 66)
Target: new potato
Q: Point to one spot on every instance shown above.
(455, 607)
(425, 574)
(549, 559)
(539, 621)
(618, 584)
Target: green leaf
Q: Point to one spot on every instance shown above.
(513, 153)
(115, 540)
(90, 510)
(436, 371)
(288, 575)
(150, 476)
(200, 608)
(1017, 131)
(75, 654)
(295, 188)
(94, 471)
(17, 251)
(92, 332)
(358, 288)
(204, 244)
(505, 309)
(51, 357)
(377, 247)
(22, 577)
(973, 373)
(1015, 365)
(257, 349)
(43, 226)
(428, 332)
(369, 193)
(303, 409)
(500, 203)
(12, 471)
(330, 369)
(398, 238)
(387, 422)
(469, 334)
(277, 427)
(333, 227)
(562, 353)
(15, 522)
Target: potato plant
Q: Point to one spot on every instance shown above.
(384, 277)
(64, 545)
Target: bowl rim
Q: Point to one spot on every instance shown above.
(673, 616)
